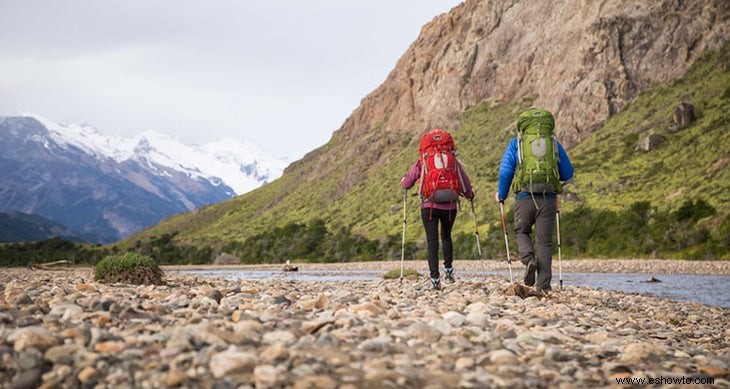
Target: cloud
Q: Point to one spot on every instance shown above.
(283, 75)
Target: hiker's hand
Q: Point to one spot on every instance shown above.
(496, 197)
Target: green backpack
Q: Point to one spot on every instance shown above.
(537, 153)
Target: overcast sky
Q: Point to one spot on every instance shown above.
(281, 74)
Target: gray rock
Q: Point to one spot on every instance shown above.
(62, 354)
(684, 115)
(424, 332)
(503, 357)
(35, 337)
(23, 299)
(477, 319)
(379, 344)
(232, 361)
(226, 259)
(284, 337)
(26, 379)
(650, 142)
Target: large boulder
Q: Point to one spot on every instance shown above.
(226, 259)
(684, 114)
(649, 142)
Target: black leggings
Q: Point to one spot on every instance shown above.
(431, 218)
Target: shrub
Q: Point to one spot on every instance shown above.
(694, 210)
(129, 268)
(395, 273)
(315, 242)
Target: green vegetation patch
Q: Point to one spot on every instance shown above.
(316, 242)
(689, 164)
(395, 273)
(129, 268)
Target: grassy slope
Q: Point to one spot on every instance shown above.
(690, 164)
(610, 174)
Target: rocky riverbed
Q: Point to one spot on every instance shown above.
(646, 266)
(61, 329)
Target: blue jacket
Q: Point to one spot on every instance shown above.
(509, 164)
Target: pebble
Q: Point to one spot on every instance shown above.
(195, 332)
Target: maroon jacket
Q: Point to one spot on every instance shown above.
(415, 173)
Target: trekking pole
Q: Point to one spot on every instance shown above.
(403, 241)
(560, 259)
(476, 236)
(506, 244)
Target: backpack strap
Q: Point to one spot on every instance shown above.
(422, 161)
(532, 195)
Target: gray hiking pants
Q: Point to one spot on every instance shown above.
(543, 218)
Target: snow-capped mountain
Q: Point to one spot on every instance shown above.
(243, 166)
(109, 187)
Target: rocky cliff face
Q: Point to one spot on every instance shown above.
(582, 60)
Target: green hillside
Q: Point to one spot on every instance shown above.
(690, 164)
(361, 197)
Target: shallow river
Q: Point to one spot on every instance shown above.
(705, 289)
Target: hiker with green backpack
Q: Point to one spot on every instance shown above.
(536, 165)
(442, 180)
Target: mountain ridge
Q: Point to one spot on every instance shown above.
(224, 157)
(21, 227)
(107, 187)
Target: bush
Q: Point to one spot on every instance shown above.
(694, 210)
(395, 273)
(642, 230)
(168, 252)
(27, 253)
(129, 268)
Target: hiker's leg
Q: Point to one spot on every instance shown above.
(544, 242)
(430, 224)
(524, 219)
(447, 222)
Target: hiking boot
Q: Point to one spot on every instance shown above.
(530, 273)
(449, 276)
(435, 284)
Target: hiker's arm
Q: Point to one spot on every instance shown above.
(565, 168)
(411, 177)
(507, 169)
(468, 191)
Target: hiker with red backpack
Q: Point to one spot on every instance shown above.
(539, 166)
(441, 180)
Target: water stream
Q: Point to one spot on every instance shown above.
(705, 289)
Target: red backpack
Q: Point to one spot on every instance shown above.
(440, 177)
